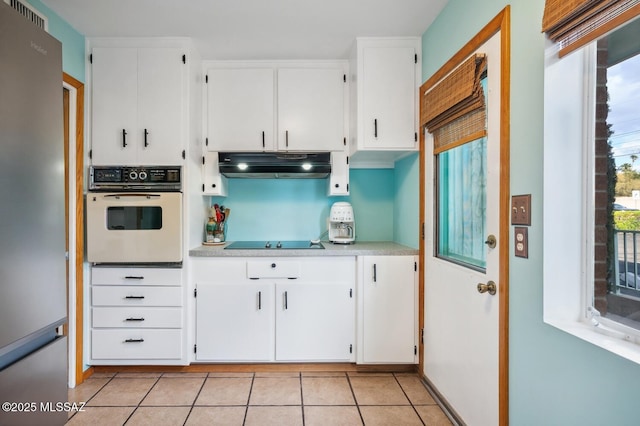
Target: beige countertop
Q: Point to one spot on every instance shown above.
(359, 248)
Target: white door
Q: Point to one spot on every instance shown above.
(389, 97)
(234, 322)
(311, 109)
(114, 107)
(241, 109)
(461, 338)
(315, 322)
(160, 106)
(389, 320)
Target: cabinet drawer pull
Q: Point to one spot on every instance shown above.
(146, 133)
(375, 128)
(134, 297)
(286, 138)
(134, 341)
(124, 138)
(263, 145)
(131, 277)
(374, 273)
(134, 319)
(286, 301)
(259, 300)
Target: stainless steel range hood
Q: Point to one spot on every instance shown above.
(282, 165)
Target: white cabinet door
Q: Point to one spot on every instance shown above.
(137, 107)
(389, 312)
(389, 98)
(114, 106)
(234, 322)
(311, 109)
(160, 105)
(315, 321)
(240, 109)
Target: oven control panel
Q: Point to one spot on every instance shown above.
(135, 177)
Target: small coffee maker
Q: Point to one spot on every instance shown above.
(341, 224)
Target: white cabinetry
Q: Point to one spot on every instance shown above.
(137, 316)
(387, 309)
(241, 108)
(384, 114)
(137, 105)
(282, 106)
(311, 109)
(274, 309)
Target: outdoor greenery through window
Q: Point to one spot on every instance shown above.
(620, 54)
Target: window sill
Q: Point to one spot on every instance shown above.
(602, 336)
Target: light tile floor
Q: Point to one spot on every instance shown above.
(255, 399)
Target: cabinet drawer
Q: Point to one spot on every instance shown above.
(136, 317)
(136, 296)
(136, 276)
(273, 268)
(136, 344)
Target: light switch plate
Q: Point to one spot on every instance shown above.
(521, 242)
(521, 210)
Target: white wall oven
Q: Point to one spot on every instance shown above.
(134, 215)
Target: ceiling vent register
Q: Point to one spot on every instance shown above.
(30, 13)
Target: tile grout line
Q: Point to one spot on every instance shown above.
(91, 397)
(246, 408)
(141, 399)
(195, 399)
(408, 399)
(301, 397)
(355, 400)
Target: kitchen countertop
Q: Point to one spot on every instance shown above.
(359, 248)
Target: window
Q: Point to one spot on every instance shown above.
(591, 264)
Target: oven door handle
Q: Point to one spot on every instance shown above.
(133, 196)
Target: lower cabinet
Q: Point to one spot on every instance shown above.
(275, 309)
(137, 316)
(387, 309)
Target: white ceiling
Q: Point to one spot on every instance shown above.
(253, 29)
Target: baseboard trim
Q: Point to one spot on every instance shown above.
(258, 368)
(442, 403)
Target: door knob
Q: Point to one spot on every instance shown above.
(489, 287)
(491, 241)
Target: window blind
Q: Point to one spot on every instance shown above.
(454, 110)
(574, 23)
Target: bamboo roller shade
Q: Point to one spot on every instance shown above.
(574, 23)
(454, 110)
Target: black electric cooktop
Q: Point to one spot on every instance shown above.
(274, 245)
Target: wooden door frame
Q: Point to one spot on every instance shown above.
(77, 220)
(500, 23)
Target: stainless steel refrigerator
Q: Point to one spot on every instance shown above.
(33, 356)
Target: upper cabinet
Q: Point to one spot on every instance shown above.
(311, 113)
(277, 106)
(137, 105)
(385, 78)
(240, 109)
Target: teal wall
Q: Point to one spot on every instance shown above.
(72, 41)
(406, 206)
(554, 378)
(289, 209)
